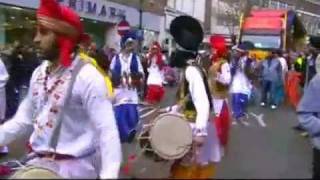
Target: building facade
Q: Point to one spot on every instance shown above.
(100, 18)
(175, 8)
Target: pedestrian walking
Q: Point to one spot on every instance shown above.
(280, 92)
(272, 78)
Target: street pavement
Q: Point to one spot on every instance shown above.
(267, 148)
(275, 151)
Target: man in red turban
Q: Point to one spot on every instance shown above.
(68, 108)
(155, 59)
(220, 79)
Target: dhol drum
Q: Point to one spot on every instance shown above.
(166, 137)
(32, 172)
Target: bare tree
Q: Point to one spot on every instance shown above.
(230, 11)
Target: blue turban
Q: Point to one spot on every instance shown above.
(129, 36)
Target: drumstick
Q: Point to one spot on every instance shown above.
(148, 113)
(164, 110)
(144, 108)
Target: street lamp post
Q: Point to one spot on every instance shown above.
(140, 22)
(141, 7)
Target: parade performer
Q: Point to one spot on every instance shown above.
(194, 101)
(241, 71)
(83, 53)
(127, 75)
(74, 129)
(220, 79)
(155, 59)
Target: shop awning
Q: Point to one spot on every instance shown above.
(263, 23)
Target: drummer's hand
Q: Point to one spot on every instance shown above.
(199, 141)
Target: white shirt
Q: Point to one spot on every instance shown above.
(155, 74)
(124, 95)
(87, 121)
(200, 99)
(4, 76)
(225, 76)
(240, 82)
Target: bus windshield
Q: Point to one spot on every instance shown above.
(263, 41)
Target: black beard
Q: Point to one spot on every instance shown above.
(52, 54)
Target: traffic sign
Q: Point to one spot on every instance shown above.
(123, 27)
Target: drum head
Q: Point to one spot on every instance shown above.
(171, 136)
(35, 173)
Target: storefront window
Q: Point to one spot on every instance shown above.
(17, 24)
(97, 30)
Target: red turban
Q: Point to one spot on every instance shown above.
(218, 44)
(86, 39)
(65, 23)
(158, 54)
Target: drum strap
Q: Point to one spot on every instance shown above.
(56, 132)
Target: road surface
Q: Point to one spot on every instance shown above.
(266, 148)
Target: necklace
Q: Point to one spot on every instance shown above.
(48, 91)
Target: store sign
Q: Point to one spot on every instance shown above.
(100, 10)
(95, 8)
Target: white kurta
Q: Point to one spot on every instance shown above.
(88, 122)
(4, 76)
(125, 95)
(240, 82)
(210, 152)
(156, 76)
